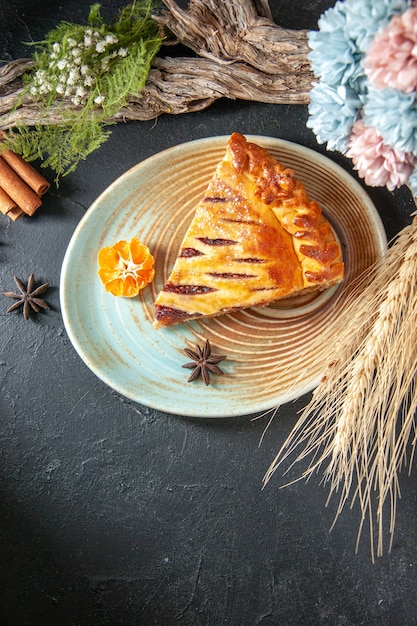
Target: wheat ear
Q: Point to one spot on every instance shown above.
(360, 420)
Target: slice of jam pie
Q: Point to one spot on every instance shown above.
(255, 237)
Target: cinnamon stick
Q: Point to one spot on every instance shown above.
(15, 213)
(6, 203)
(25, 198)
(32, 177)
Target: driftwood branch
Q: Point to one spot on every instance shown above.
(241, 54)
(237, 31)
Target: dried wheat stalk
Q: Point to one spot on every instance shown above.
(243, 55)
(360, 421)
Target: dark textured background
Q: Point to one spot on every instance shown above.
(113, 513)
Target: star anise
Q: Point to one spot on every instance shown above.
(28, 298)
(203, 362)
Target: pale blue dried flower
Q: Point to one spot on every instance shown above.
(331, 55)
(332, 113)
(360, 82)
(334, 57)
(364, 18)
(394, 114)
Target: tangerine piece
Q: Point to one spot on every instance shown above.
(125, 267)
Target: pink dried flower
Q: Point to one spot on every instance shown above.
(377, 163)
(391, 60)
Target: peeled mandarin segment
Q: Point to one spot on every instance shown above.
(148, 263)
(123, 248)
(125, 268)
(108, 258)
(108, 275)
(114, 286)
(145, 277)
(139, 252)
(130, 287)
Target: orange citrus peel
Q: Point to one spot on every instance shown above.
(125, 267)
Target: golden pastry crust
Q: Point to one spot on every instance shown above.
(255, 237)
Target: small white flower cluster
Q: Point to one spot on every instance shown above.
(75, 66)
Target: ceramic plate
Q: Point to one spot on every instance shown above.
(271, 358)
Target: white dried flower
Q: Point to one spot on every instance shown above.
(99, 99)
(80, 91)
(71, 42)
(100, 46)
(44, 88)
(122, 52)
(62, 63)
(60, 89)
(88, 80)
(110, 39)
(56, 47)
(74, 75)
